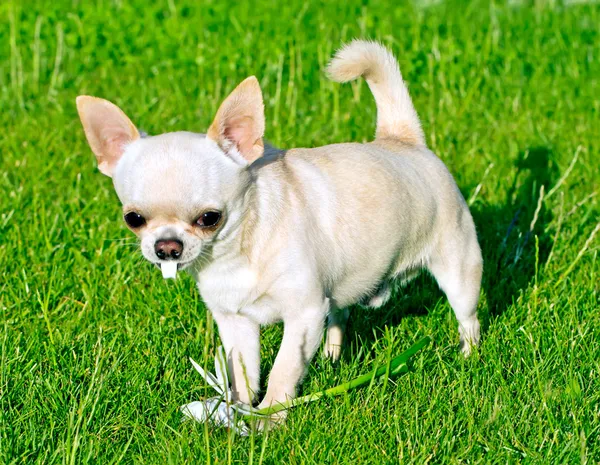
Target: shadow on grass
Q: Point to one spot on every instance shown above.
(506, 234)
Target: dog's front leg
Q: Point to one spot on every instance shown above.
(241, 339)
(302, 334)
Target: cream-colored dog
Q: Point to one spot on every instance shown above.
(296, 235)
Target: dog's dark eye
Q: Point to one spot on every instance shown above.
(208, 219)
(134, 220)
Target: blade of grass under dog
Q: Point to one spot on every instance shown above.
(396, 366)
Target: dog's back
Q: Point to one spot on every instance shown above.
(387, 208)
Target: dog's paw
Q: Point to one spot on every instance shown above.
(332, 351)
(335, 334)
(270, 423)
(469, 335)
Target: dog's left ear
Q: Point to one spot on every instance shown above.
(239, 125)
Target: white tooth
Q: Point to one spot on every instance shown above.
(169, 270)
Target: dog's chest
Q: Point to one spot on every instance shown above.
(233, 287)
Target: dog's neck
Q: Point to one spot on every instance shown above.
(238, 240)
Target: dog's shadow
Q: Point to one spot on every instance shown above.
(506, 233)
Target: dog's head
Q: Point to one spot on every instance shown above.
(181, 192)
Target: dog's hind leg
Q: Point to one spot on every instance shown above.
(457, 267)
(336, 325)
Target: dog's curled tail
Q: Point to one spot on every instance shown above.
(396, 115)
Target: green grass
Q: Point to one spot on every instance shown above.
(94, 343)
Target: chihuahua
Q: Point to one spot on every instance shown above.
(296, 235)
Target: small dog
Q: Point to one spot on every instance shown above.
(296, 235)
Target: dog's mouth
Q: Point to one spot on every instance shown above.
(180, 265)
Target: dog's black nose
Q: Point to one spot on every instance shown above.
(166, 249)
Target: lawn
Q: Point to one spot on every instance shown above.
(95, 344)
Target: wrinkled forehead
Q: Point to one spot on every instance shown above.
(176, 170)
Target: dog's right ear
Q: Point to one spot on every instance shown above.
(108, 130)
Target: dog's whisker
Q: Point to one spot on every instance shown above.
(121, 239)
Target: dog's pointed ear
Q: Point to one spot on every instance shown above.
(239, 125)
(108, 130)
